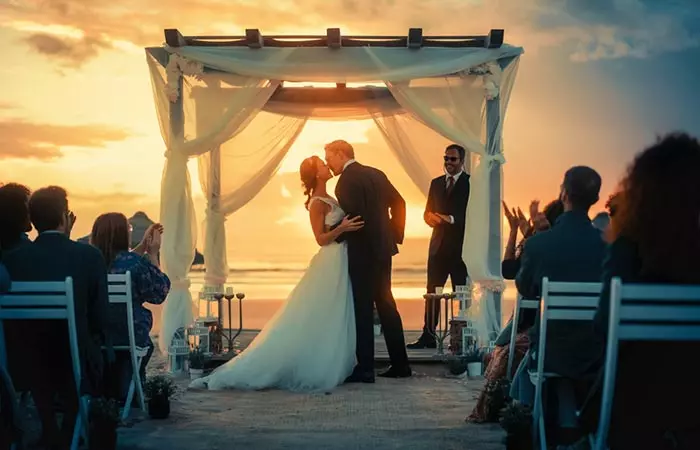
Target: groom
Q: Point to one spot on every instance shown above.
(366, 192)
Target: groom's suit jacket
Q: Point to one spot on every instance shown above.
(367, 192)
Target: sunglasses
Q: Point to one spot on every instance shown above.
(451, 159)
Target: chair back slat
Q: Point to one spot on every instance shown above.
(33, 314)
(570, 314)
(117, 289)
(589, 300)
(561, 287)
(666, 332)
(33, 299)
(657, 293)
(654, 312)
(19, 287)
(529, 304)
(640, 312)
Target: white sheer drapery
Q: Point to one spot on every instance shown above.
(185, 139)
(238, 170)
(240, 150)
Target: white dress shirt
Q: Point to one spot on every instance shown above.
(454, 177)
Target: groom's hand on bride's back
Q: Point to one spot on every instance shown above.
(347, 225)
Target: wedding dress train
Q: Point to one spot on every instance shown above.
(309, 344)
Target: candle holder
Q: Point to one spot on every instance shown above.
(229, 336)
(442, 330)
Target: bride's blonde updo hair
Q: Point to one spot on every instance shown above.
(308, 171)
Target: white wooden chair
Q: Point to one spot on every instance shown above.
(120, 293)
(640, 312)
(520, 303)
(47, 300)
(560, 301)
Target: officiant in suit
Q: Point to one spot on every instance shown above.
(445, 213)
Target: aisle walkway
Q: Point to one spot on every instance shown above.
(424, 412)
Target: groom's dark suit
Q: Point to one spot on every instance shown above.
(367, 192)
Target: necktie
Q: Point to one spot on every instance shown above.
(450, 185)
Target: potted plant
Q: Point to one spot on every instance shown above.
(516, 419)
(104, 418)
(473, 357)
(196, 363)
(158, 389)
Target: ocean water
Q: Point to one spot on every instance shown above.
(266, 289)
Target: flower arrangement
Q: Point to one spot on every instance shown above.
(490, 74)
(176, 68)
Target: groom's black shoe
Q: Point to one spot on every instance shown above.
(358, 376)
(397, 372)
(422, 343)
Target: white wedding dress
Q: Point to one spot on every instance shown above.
(309, 344)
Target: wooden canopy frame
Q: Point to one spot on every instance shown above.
(414, 41)
(254, 39)
(333, 39)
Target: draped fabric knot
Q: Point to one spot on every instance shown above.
(215, 214)
(498, 158)
(182, 283)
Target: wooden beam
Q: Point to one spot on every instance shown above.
(415, 38)
(254, 38)
(333, 38)
(174, 38)
(311, 95)
(494, 39)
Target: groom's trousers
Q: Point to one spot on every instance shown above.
(371, 285)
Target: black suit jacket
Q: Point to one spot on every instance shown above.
(447, 239)
(366, 192)
(570, 251)
(53, 257)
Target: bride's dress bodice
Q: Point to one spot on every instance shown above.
(336, 213)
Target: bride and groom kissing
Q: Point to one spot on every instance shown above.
(323, 335)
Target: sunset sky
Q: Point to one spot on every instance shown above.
(598, 80)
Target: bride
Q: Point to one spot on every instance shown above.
(309, 344)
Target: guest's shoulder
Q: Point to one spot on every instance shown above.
(535, 242)
(87, 252)
(128, 261)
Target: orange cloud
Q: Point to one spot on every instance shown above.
(23, 139)
(70, 52)
(596, 29)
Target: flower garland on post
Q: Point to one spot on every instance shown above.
(176, 68)
(490, 73)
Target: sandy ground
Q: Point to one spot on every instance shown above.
(426, 411)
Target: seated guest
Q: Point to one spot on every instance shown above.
(42, 358)
(542, 221)
(571, 251)
(656, 240)
(497, 365)
(14, 221)
(111, 234)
